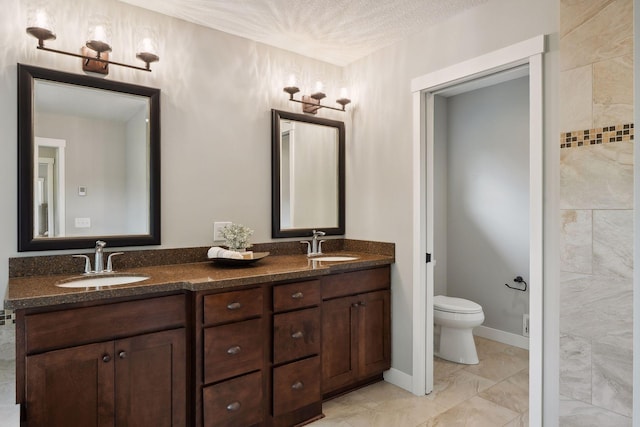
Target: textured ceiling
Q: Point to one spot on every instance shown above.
(334, 31)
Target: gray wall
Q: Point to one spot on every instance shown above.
(488, 200)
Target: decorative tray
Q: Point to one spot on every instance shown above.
(257, 256)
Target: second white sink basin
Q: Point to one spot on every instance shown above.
(335, 258)
(97, 281)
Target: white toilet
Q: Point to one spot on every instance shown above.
(455, 319)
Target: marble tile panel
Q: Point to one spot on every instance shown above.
(576, 240)
(613, 243)
(574, 13)
(512, 393)
(574, 413)
(475, 412)
(613, 91)
(597, 177)
(442, 369)
(576, 99)
(8, 342)
(612, 379)
(611, 315)
(10, 415)
(575, 367)
(607, 34)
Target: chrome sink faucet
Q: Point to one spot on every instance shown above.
(98, 263)
(314, 247)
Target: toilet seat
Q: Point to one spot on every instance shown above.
(455, 305)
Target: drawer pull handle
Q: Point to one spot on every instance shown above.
(234, 305)
(297, 335)
(298, 385)
(297, 295)
(106, 358)
(233, 406)
(234, 350)
(122, 354)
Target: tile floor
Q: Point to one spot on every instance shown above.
(493, 393)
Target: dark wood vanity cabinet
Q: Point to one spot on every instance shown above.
(296, 364)
(356, 337)
(75, 373)
(231, 344)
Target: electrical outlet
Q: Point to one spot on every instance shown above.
(83, 222)
(525, 325)
(217, 226)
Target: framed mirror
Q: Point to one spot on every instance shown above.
(308, 175)
(88, 161)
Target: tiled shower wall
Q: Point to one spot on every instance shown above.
(596, 190)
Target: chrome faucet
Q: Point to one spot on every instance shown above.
(314, 247)
(98, 263)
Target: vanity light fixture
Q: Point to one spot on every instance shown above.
(311, 103)
(95, 52)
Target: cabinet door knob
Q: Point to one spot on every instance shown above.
(297, 295)
(233, 406)
(234, 306)
(362, 304)
(122, 354)
(234, 350)
(297, 335)
(106, 358)
(355, 304)
(298, 385)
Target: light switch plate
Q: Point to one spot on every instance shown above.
(83, 222)
(217, 226)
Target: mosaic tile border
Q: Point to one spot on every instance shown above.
(7, 317)
(604, 135)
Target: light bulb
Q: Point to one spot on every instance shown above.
(292, 80)
(343, 93)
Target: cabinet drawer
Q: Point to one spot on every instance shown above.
(296, 385)
(77, 326)
(232, 306)
(357, 282)
(296, 335)
(237, 402)
(296, 295)
(231, 350)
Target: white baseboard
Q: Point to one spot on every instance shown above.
(502, 336)
(399, 378)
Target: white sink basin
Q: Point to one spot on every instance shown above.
(335, 258)
(97, 281)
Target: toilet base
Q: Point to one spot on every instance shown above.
(457, 345)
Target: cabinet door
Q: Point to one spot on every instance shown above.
(339, 331)
(71, 387)
(374, 322)
(150, 383)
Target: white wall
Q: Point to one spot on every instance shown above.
(217, 94)
(488, 200)
(379, 159)
(218, 90)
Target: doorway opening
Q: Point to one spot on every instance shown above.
(527, 56)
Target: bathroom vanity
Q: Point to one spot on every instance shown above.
(202, 345)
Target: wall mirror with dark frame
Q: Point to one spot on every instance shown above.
(308, 175)
(88, 161)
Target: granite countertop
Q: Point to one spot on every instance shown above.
(40, 291)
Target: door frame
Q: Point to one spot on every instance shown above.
(529, 52)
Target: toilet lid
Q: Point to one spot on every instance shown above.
(455, 305)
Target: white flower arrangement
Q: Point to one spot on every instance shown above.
(236, 236)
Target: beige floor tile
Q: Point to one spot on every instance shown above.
(458, 387)
(475, 412)
(512, 393)
(460, 396)
(498, 366)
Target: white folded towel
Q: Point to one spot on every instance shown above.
(218, 252)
